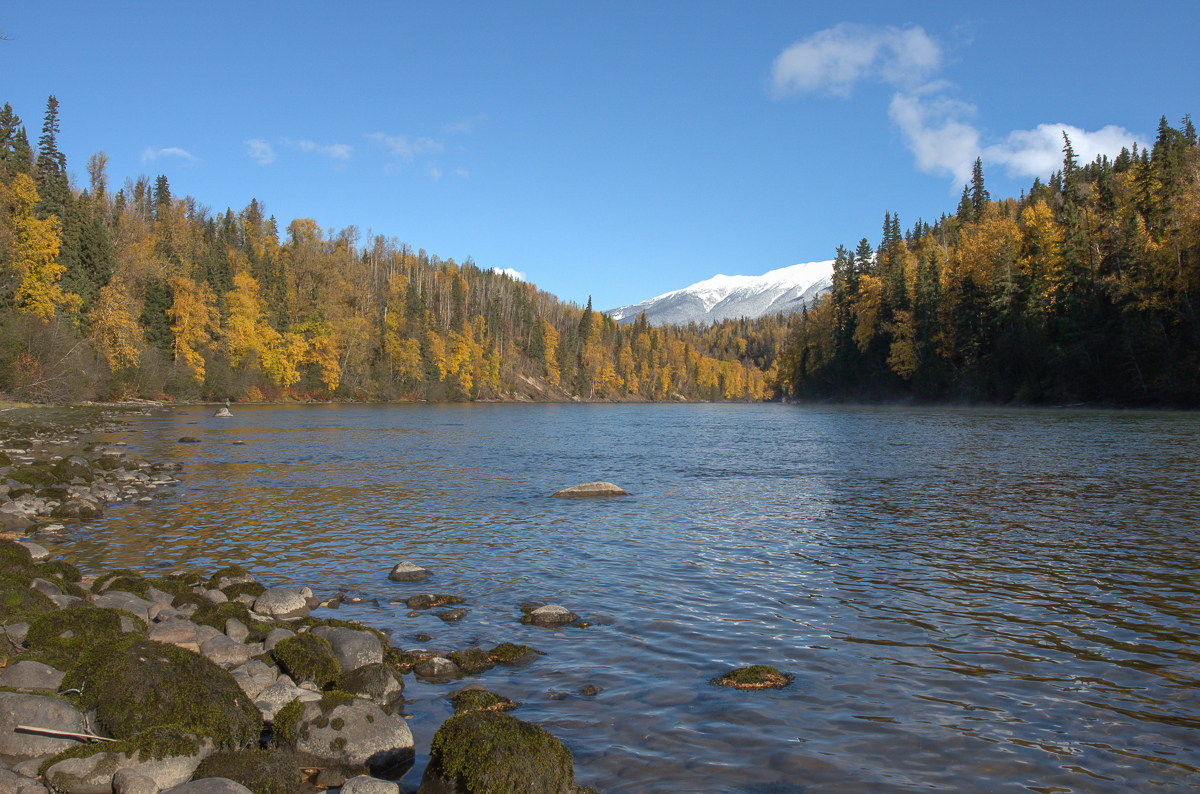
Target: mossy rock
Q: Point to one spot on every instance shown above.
(243, 588)
(511, 653)
(13, 553)
(228, 572)
(496, 753)
(23, 605)
(427, 601)
(310, 622)
(156, 743)
(758, 676)
(62, 569)
(70, 468)
(215, 615)
(472, 661)
(88, 626)
(287, 719)
(306, 657)
(379, 682)
(141, 684)
(129, 584)
(480, 700)
(5, 460)
(169, 584)
(402, 661)
(108, 464)
(261, 771)
(39, 473)
(105, 579)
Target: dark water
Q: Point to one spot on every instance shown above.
(969, 600)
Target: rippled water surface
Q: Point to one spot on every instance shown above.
(969, 600)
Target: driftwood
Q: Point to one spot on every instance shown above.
(67, 734)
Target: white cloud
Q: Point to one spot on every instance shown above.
(936, 134)
(515, 275)
(464, 173)
(463, 125)
(153, 154)
(335, 151)
(833, 60)
(434, 173)
(404, 147)
(1038, 152)
(261, 151)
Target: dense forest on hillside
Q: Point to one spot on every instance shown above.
(1082, 290)
(140, 293)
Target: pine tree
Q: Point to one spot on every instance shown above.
(51, 166)
(979, 194)
(966, 210)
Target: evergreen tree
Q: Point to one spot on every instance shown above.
(979, 194)
(155, 305)
(51, 167)
(966, 209)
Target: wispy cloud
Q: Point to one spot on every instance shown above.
(832, 61)
(462, 172)
(260, 151)
(404, 147)
(515, 275)
(334, 151)
(151, 154)
(434, 173)
(937, 128)
(463, 125)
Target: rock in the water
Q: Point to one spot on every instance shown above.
(551, 616)
(131, 781)
(369, 785)
(189, 440)
(589, 690)
(407, 572)
(588, 489)
(76, 508)
(482, 751)
(210, 785)
(758, 676)
(223, 413)
(452, 615)
(353, 649)
(437, 667)
(31, 677)
(45, 712)
(379, 682)
(354, 732)
(282, 602)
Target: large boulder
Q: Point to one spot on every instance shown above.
(344, 730)
(592, 489)
(480, 752)
(282, 602)
(307, 657)
(225, 652)
(44, 712)
(31, 677)
(261, 771)
(379, 682)
(211, 785)
(362, 784)
(254, 676)
(353, 649)
(93, 774)
(550, 616)
(119, 599)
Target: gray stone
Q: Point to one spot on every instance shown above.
(225, 652)
(379, 682)
(210, 785)
(175, 631)
(131, 781)
(128, 625)
(95, 774)
(330, 778)
(552, 615)
(157, 596)
(254, 676)
(407, 572)
(367, 735)
(353, 649)
(282, 602)
(47, 587)
(119, 599)
(216, 596)
(236, 630)
(161, 612)
(279, 694)
(40, 711)
(31, 677)
(245, 598)
(452, 615)
(64, 601)
(30, 768)
(223, 413)
(369, 785)
(275, 635)
(16, 632)
(204, 632)
(38, 553)
(226, 581)
(437, 667)
(590, 489)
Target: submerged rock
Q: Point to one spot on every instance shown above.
(550, 616)
(590, 489)
(407, 572)
(759, 676)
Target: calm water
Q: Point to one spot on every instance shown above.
(969, 600)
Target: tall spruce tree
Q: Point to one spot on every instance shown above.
(979, 194)
(51, 167)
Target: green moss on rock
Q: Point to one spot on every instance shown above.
(62, 569)
(426, 601)
(472, 661)
(156, 743)
(480, 700)
(758, 676)
(103, 580)
(261, 771)
(376, 681)
(169, 584)
(141, 684)
(14, 553)
(306, 657)
(228, 572)
(85, 627)
(511, 653)
(137, 585)
(243, 588)
(402, 661)
(21, 604)
(487, 751)
(287, 719)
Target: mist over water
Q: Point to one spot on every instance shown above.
(977, 600)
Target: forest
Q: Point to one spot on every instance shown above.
(138, 293)
(1077, 292)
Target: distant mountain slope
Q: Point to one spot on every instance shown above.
(731, 297)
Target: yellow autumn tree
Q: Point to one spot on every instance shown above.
(550, 357)
(242, 327)
(33, 253)
(116, 334)
(194, 319)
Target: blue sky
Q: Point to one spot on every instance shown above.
(618, 150)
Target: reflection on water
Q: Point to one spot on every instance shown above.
(972, 600)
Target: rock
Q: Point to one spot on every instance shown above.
(236, 630)
(307, 657)
(31, 677)
(157, 596)
(215, 596)
(278, 695)
(282, 602)
(45, 712)
(426, 601)
(275, 635)
(363, 784)
(407, 572)
(119, 599)
(437, 667)
(16, 632)
(95, 774)
(354, 732)
(263, 771)
(330, 777)
(64, 601)
(223, 413)
(29, 768)
(189, 440)
(76, 508)
(352, 649)
(254, 676)
(161, 612)
(479, 699)
(589, 489)
(38, 553)
(225, 652)
(758, 676)
(551, 616)
(452, 615)
(131, 781)
(480, 751)
(589, 690)
(379, 682)
(210, 785)
(47, 587)
(175, 631)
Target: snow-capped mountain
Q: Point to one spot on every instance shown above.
(731, 297)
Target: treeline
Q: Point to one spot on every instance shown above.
(1082, 290)
(139, 293)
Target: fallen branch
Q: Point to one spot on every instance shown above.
(69, 734)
